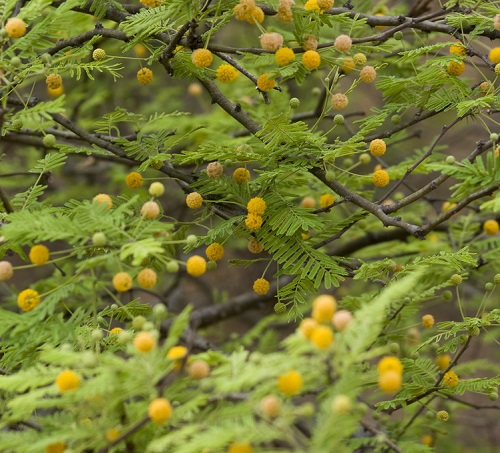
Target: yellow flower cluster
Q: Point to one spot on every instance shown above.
(491, 227)
(249, 11)
(290, 383)
(311, 59)
(261, 286)
(15, 27)
(196, 265)
(202, 58)
(147, 278)
(284, 56)
(226, 73)
(427, 321)
(323, 308)
(194, 200)
(215, 251)
(451, 379)
(67, 380)
(241, 175)
(326, 200)
(145, 76)
(377, 147)
(265, 83)
(160, 410)
(256, 205)
(144, 342)
(390, 374)
(28, 299)
(380, 178)
(53, 81)
(134, 180)
(455, 69)
(152, 3)
(103, 198)
(39, 254)
(122, 282)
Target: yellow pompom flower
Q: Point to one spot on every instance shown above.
(311, 59)
(144, 342)
(261, 286)
(98, 54)
(122, 282)
(389, 363)
(290, 383)
(215, 251)
(307, 326)
(147, 278)
(53, 81)
(380, 178)
(160, 410)
(103, 198)
(134, 180)
(257, 206)
(326, 200)
(253, 221)
(455, 69)
(116, 331)
(325, 4)
(491, 227)
(390, 381)
(194, 200)
(177, 352)
(202, 58)
(112, 434)
(458, 48)
(237, 447)
(377, 147)
(241, 175)
(256, 15)
(264, 83)
(67, 380)
(339, 101)
(152, 3)
(58, 447)
(324, 307)
(347, 64)
(15, 27)
(196, 265)
(55, 93)
(28, 299)
(243, 10)
(311, 5)
(450, 379)
(322, 337)
(39, 254)
(285, 11)
(427, 321)
(494, 55)
(443, 361)
(226, 73)
(145, 76)
(368, 74)
(284, 56)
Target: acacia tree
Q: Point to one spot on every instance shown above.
(338, 161)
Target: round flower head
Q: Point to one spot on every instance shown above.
(122, 282)
(380, 178)
(389, 363)
(257, 206)
(150, 210)
(325, 4)
(271, 41)
(326, 200)
(390, 381)
(160, 410)
(152, 3)
(253, 221)
(39, 254)
(238, 447)
(67, 380)
(254, 246)
(341, 319)
(322, 337)
(177, 353)
(491, 227)
(427, 321)
(368, 74)
(290, 383)
(145, 76)
(264, 83)
(103, 198)
(194, 89)
(284, 56)
(261, 286)
(144, 342)
(311, 5)
(377, 147)
(58, 447)
(28, 299)
(53, 81)
(98, 54)
(359, 59)
(456, 279)
(270, 406)
(226, 73)
(255, 16)
(458, 48)
(443, 361)
(455, 69)
(307, 326)
(243, 11)
(215, 251)
(324, 307)
(156, 189)
(116, 331)
(486, 88)
(496, 22)
(214, 170)
(199, 369)
(494, 55)
(196, 265)
(147, 278)
(341, 404)
(308, 202)
(311, 59)
(6, 270)
(241, 175)
(343, 43)
(310, 42)
(55, 92)
(15, 27)
(347, 65)
(443, 416)
(134, 180)
(202, 58)
(284, 10)
(339, 101)
(194, 200)
(450, 379)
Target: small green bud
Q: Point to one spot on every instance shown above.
(497, 69)
(447, 295)
(156, 164)
(496, 279)
(49, 141)
(46, 58)
(489, 286)
(15, 62)
(365, 158)
(211, 265)
(398, 35)
(191, 239)
(494, 137)
(148, 326)
(474, 331)
(138, 322)
(327, 79)
(443, 416)
(159, 310)
(99, 239)
(96, 335)
(414, 355)
(493, 396)
(113, 307)
(348, 162)
(396, 119)
(172, 267)
(88, 360)
(341, 404)
(330, 175)
(66, 347)
(98, 54)
(450, 160)
(394, 348)
(362, 224)
(456, 279)
(316, 91)
(125, 337)
(338, 119)
(17, 124)
(279, 307)
(294, 103)
(399, 196)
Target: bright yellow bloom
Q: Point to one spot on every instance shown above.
(257, 206)
(236, 447)
(284, 56)
(451, 379)
(202, 58)
(455, 69)
(443, 361)
(427, 321)
(145, 76)
(326, 200)
(215, 251)
(15, 27)
(160, 410)
(28, 299)
(494, 55)
(389, 363)
(134, 180)
(226, 73)
(241, 175)
(103, 198)
(253, 221)
(194, 200)
(39, 254)
(67, 380)
(324, 307)
(196, 265)
(377, 147)
(322, 336)
(311, 59)
(380, 178)
(122, 282)
(491, 227)
(290, 383)
(264, 83)
(177, 352)
(147, 278)
(144, 342)
(261, 286)
(390, 381)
